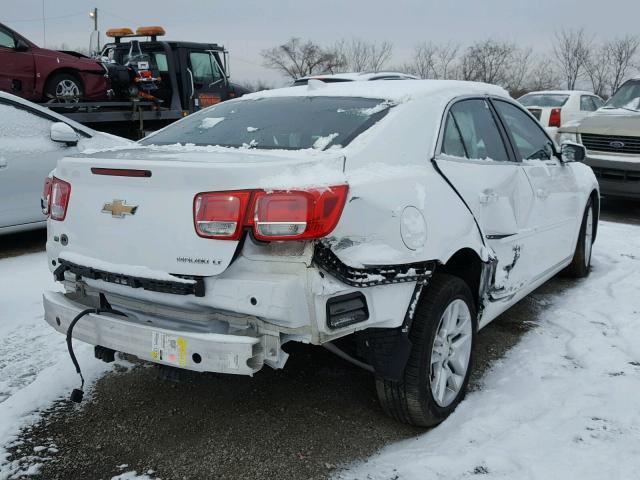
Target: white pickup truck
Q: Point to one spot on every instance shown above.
(388, 221)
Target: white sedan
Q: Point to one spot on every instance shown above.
(388, 221)
(554, 108)
(32, 140)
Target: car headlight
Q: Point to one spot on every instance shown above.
(567, 137)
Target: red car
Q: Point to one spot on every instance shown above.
(38, 74)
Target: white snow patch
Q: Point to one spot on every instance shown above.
(252, 129)
(35, 368)
(563, 403)
(210, 122)
(322, 142)
(132, 475)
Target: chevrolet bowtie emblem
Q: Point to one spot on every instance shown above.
(119, 208)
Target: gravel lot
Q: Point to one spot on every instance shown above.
(305, 421)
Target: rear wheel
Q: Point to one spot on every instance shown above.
(437, 373)
(581, 263)
(63, 88)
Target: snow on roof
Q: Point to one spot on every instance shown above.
(360, 76)
(399, 92)
(561, 92)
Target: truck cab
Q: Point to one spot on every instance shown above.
(192, 75)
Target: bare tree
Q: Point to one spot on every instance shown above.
(487, 61)
(297, 58)
(598, 68)
(518, 71)
(571, 49)
(358, 55)
(621, 53)
(424, 60)
(542, 76)
(446, 55)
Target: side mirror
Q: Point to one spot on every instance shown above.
(63, 133)
(21, 46)
(572, 152)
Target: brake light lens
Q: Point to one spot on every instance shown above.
(60, 194)
(45, 201)
(298, 215)
(220, 214)
(554, 117)
(276, 215)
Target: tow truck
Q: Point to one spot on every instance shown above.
(154, 82)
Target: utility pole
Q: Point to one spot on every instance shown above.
(44, 28)
(94, 14)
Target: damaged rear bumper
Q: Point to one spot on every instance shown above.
(242, 354)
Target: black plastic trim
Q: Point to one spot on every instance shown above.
(163, 286)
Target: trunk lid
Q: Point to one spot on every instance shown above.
(159, 233)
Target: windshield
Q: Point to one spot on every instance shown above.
(627, 96)
(290, 123)
(543, 100)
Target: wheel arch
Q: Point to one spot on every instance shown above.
(595, 202)
(71, 71)
(467, 265)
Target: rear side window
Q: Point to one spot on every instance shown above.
(587, 104)
(289, 123)
(471, 123)
(529, 139)
(6, 40)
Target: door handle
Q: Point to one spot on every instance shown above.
(488, 197)
(542, 193)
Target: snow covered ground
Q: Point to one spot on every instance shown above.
(564, 403)
(35, 368)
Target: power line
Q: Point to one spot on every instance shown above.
(39, 19)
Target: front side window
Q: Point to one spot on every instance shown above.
(289, 123)
(530, 141)
(6, 40)
(204, 69)
(477, 130)
(21, 129)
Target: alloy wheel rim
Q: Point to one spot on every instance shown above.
(588, 238)
(450, 353)
(67, 91)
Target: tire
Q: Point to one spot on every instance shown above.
(63, 88)
(414, 400)
(581, 263)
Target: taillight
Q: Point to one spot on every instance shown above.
(276, 215)
(60, 193)
(298, 215)
(45, 201)
(554, 117)
(220, 214)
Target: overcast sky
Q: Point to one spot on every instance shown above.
(247, 26)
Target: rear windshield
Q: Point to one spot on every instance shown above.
(543, 100)
(305, 81)
(290, 123)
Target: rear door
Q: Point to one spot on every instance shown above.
(554, 185)
(475, 159)
(27, 155)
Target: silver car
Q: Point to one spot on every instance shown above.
(32, 140)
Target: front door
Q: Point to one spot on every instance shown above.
(27, 155)
(16, 68)
(476, 161)
(554, 186)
